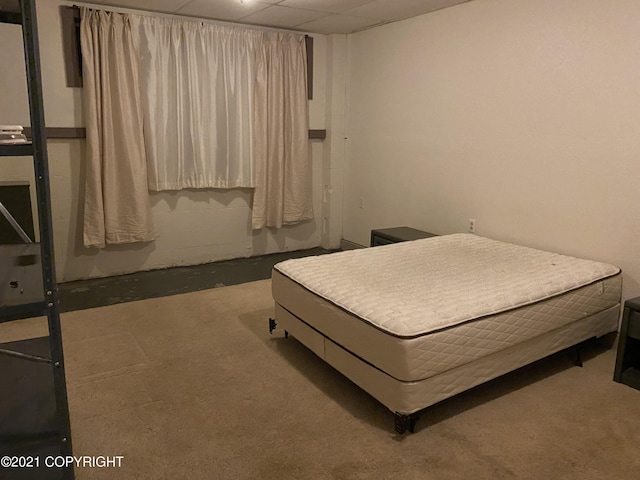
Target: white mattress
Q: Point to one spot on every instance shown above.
(442, 302)
(413, 288)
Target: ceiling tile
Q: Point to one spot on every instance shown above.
(391, 10)
(299, 14)
(337, 24)
(332, 6)
(221, 9)
(277, 16)
(152, 5)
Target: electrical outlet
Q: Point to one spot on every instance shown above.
(472, 225)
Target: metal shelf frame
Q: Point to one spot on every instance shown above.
(38, 149)
(17, 150)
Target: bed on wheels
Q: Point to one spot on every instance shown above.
(414, 323)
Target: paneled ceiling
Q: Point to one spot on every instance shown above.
(315, 16)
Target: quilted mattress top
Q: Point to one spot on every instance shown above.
(413, 288)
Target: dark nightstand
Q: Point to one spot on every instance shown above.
(628, 359)
(385, 236)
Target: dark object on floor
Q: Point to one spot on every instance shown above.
(628, 359)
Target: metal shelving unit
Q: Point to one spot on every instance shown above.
(34, 413)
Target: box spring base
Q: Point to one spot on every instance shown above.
(406, 398)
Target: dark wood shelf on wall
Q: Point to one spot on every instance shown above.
(317, 134)
(71, 132)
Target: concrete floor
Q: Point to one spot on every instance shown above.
(98, 292)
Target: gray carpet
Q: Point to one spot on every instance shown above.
(193, 386)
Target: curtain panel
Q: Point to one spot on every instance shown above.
(116, 207)
(283, 193)
(197, 82)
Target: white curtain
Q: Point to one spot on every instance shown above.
(197, 85)
(173, 104)
(283, 192)
(117, 207)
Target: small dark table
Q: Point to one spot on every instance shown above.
(385, 236)
(628, 359)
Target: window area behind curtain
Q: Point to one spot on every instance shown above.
(197, 82)
(210, 107)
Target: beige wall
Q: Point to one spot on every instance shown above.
(193, 226)
(524, 115)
